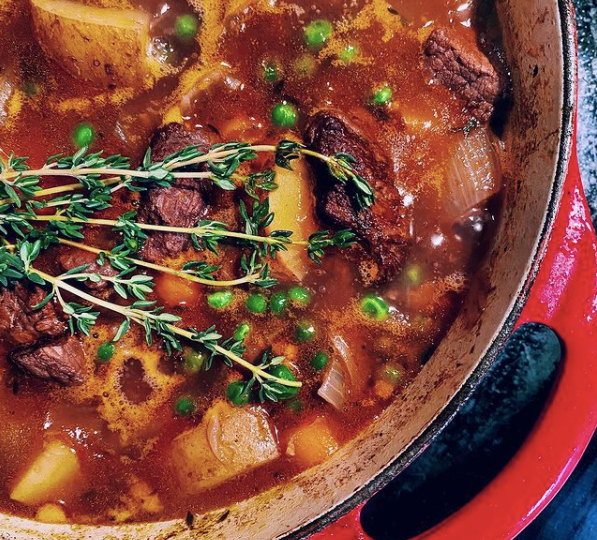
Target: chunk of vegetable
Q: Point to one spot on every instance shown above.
(473, 172)
(293, 204)
(51, 513)
(228, 441)
(333, 388)
(175, 291)
(346, 375)
(312, 444)
(101, 45)
(53, 471)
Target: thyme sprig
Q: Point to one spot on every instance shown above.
(196, 271)
(98, 178)
(145, 313)
(207, 234)
(266, 389)
(101, 176)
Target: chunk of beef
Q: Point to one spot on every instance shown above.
(69, 259)
(61, 361)
(181, 205)
(20, 324)
(383, 228)
(463, 68)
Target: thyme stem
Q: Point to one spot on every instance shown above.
(199, 231)
(164, 269)
(139, 316)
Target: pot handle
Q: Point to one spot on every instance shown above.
(564, 297)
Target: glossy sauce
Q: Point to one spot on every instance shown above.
(121, 422)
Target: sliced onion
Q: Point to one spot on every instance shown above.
(333, 388)
(7, 86)
(473, 173)
(342, 372)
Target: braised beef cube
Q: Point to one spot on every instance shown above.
(20, 323)
(382, 228)
(181, 205)
(174, 137)
(465, 69)
(70, 259)
(175, 206)
(61, 361)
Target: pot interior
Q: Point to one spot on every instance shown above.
(538, 133)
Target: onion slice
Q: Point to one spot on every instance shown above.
(473, 173)
(337, 382)
(333, 388)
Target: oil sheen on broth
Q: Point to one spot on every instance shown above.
(415, 90)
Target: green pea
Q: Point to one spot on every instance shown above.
(296, 405)
(278, 302)
(256, 303)
(283, 372)
(184, 406)
(375, 308)
(320, 361)
(285, 115)
(105, 351)
(304, 332)
(300, 295)
(30, 88)
(242, 332)
(414, 275)
(349, 54)
(391, 374)
(220, 299)
(83, 135)
(272, 71)
(317, 33)
(194, 360)
(239, 393)
(382, 96)
(305, 65)
(187, 26)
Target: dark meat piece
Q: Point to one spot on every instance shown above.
(70, 259)
(174, 137)
(61, 361)
(20, 324)
(463, 68)
(181, 205)
(383, 228)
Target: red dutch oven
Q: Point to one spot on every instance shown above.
(542, 267)
(561, 292)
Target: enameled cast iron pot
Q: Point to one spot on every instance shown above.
(543, 267)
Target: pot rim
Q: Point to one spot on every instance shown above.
(401, 462)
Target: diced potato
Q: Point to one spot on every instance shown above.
(51, 513)
(293, 204)
(228, 441)
(48, 476)
(312, 444)
(101, 45)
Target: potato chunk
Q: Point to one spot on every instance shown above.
(102, 45)
(48, 476)
(228, 441)
(293, 204)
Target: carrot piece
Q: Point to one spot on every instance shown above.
(312, 444)
(175, 291)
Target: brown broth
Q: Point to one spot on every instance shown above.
(117, 441)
